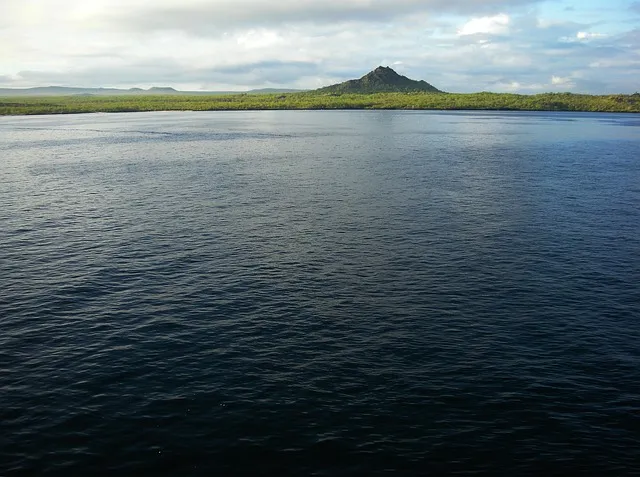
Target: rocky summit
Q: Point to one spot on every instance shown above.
(381, 80)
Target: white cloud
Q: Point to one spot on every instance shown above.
(261, 38)
(556, 83)
(518, 87)
(563, 82)
(617, 63)
(584, 35)
(497, 24)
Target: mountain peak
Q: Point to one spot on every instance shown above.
(383, 69)
(384, 72)
(381, 79)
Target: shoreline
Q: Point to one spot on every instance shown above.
(544, 102)
(26, 115)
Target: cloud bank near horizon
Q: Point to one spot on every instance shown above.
(523, 46)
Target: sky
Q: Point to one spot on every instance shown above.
(521, 46)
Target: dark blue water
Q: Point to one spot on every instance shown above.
(320, 293)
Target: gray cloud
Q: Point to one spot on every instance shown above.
(253, 74)
(170, 73)
(302, 45)
(631, 38)
(534, 58)
(224, 15)
(158, 75)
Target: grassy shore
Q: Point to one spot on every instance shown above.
(308, 100)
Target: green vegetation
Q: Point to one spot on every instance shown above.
(316, 100)
(381, 88)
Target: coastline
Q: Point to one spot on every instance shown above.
(568, 102)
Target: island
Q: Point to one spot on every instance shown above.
(382, 88)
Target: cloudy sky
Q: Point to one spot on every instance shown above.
(524, 46)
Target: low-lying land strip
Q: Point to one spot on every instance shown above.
(17, 105)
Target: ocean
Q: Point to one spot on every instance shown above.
(328, 293)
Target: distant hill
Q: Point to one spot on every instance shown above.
(381, 80)
(157, 90)
(67, 91)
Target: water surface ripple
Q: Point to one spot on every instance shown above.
(320, 293)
